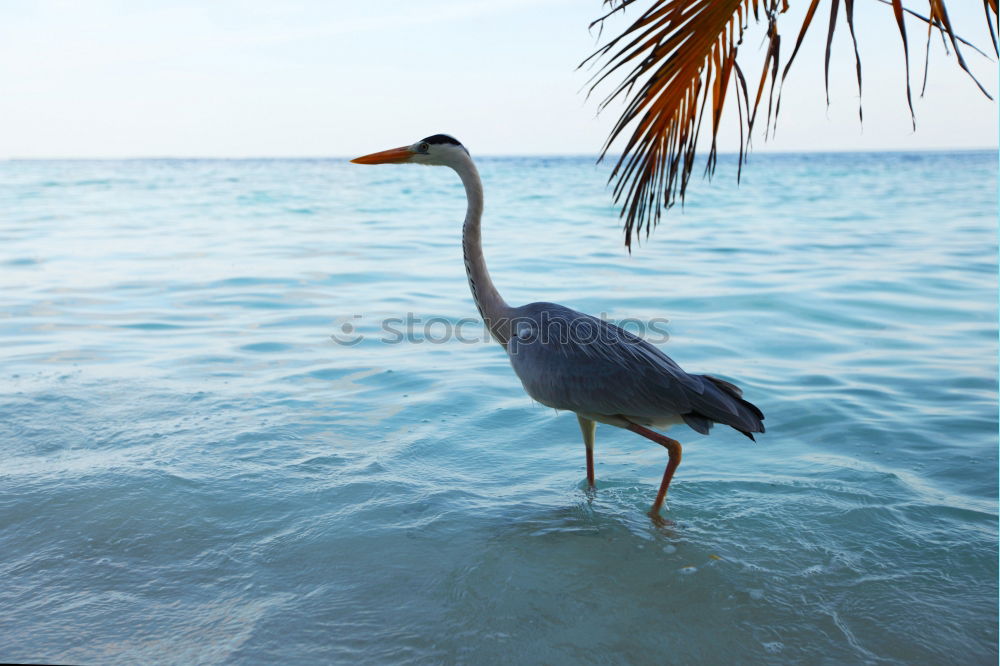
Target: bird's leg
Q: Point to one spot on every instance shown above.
(673, 448)
(589, 429)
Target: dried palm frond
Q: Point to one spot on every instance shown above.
(677, 60)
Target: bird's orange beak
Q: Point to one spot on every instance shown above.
(391, 156)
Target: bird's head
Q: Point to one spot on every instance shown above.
(437, 150)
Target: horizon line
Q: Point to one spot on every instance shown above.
(734, 153)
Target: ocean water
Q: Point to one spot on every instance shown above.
(223, 443)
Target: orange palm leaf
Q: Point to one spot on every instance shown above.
(677, 60)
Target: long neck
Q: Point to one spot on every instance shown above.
(494, 311)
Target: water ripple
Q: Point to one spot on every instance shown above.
(196, 471)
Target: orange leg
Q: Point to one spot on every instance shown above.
(590, 466)
(588, 428)
(673, 448)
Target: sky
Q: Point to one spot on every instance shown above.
(248, 78)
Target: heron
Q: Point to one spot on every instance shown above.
(575, 362)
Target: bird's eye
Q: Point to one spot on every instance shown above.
(424, 147)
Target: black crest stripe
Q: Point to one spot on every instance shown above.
(442, 138)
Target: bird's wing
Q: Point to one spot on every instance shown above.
(570, 360)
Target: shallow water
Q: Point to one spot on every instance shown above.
(196, 470)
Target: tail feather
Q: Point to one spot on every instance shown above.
(731, 389)
(700, 423)
(748, 418)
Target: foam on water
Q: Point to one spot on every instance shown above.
(194, 470)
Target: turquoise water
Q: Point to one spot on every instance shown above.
(196, 470)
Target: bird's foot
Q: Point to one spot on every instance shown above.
(659, 520)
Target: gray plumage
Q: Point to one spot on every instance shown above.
(573, 361)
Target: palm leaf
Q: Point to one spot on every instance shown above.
(674, 63)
